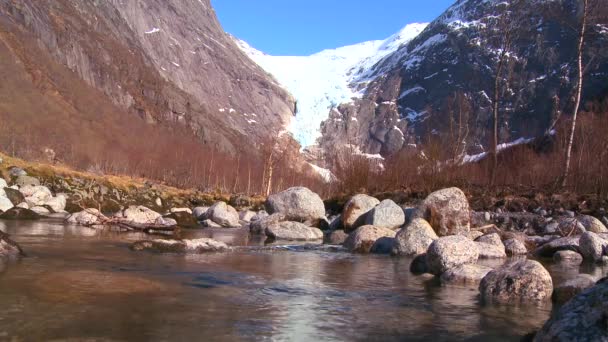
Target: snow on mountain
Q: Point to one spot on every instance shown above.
(326, 79)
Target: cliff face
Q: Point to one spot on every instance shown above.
(159, 62)
(443, 80)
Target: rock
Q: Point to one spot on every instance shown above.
(419, 265)
(364, 237)
(166, 222)
(200, 213)
(224, 215)
(36, 195)
(260, 226)
(572, 287)
(9, 249)
(414, 239)
(42, 211)
(247, 215)
(335, 237)
(16, 172)
(23, 180)
(353, 215)
(519, 281)
(293, 231)
(570, 243)
(473, 234)
(140, 215)
(3, 183)
(15, 196)
(210, 224)
(583, 318)
(592, 246)
(383, 245)
(182, 218)
(19, 214)
(568, 226)
(592, 224)
(568, 257)
(387, 214)
(23, 205)
(197, 246)
(57, 203)
(468, 274)
(87, 217)
(297, 204)
(449, 252)
(514, 247)
(490, 247)
(5, 203)
(260, 215)
(181, 210)
(447, 211)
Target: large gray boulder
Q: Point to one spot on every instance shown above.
(36, 195)
(200, 213)
(414, 239)
(259, 226)
(519, 281)
(490, 246)
(25, 180)
(224, 215)
(592, 246)
(387, 214)
(247, 215)
(297, 204)
(3, 184)
(5, 203)
(581, 319)
(514, 247)
(468, 274)
(363, 238)
(293, 231)
(15, 196)
(57, 203)
(197, 246)
(353, 215)
(449, 252)
(592, 224)
(447, 211)
(141, 215)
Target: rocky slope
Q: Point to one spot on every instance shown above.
(408, 97)
(133, 63)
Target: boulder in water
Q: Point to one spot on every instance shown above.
(353, 215)
(17, 213)
(197, 246)
(87, 217)
(297, 204)
(592, 246)
(387, 214)
(449, 252)
(293, 231)
(224, 215)
(364, 237)
(467, 274)
(516, 282)
(447, 211)
(414, 239)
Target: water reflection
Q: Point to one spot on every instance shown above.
(80, 283)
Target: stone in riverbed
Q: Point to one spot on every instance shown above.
(19, 214)
(572, 287)
(335, 237)
(414, 239)
(247, 215)
(141, 215)
(224, 215)
(363, 238)
(9, 249)
(297, 204)
(200, 213)
(419, 265)
(450, 251)
(197, 246)
(57, 203)
(569, 243)
(15, 196)
(259, 226)
(293, 231)
(25, 180)
(210, 224)
(468, 274)
(353, 215)
(490, 246)
(447, 211)
(592, 224)
(568, 257)
(87, 217)
(387, 214)
(5, 203)
(182, 219)
(592, 246)
(515, 247)
(516, 282)
(383, 245)
(581, 319)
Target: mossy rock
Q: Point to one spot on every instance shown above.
(19, 214)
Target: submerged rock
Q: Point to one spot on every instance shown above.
(363, 238)
(414, 239)
(383, 245)
(581, 319)
(353, 215)
(297, 204)
(197, 246)
(9, 249)
(515, 282)
(449, 252)
(335, 237)
(572, 287)
(387, 214)
(447, 211)
(568, 257)
(293, 231)
(19, 214)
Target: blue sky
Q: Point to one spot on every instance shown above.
(303, 27)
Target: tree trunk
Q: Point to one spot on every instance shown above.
(579, 90)
(495, 109)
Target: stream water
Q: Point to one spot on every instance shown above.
(82, 284)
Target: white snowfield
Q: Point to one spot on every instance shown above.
(326, 79)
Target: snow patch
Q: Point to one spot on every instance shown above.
(153, 30)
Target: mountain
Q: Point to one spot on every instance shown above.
(326, 79)
(116, 71)
(442, 81)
